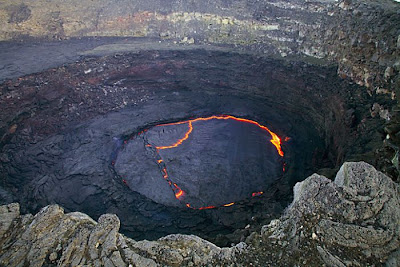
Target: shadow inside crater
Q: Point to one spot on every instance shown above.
(71, 125)
(202, 163)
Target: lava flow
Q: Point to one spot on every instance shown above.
(178, 192)
(276, 141)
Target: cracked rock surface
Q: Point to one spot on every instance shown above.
(61, 130)
(352, 221)
(52, 237)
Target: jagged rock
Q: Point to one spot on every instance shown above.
(8, 214)
(335, 223)
(339, 30)
(74, 239)
(353, 221)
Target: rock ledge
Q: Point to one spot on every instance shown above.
(353, 221)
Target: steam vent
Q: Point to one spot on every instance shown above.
(200, 133)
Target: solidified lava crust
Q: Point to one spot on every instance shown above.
(218, 160)
(61, 128)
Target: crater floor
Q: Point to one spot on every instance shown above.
(202, 163)
(63, 132)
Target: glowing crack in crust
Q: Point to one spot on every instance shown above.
(179, 193)
(276, 141)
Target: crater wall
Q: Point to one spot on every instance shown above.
(363, 37)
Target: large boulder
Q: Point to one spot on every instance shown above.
(352, 221)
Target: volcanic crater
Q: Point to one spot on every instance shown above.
(201, 141)
(216, 160)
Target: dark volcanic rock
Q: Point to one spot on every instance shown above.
(62, 129)
(209, 163)
(361, 36)
(313, 231)
(351, 221)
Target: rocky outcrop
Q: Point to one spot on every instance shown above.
(62, 128)
(363, 37)
(52, 237)
(353, 221)
(218, 21)
(364, 40)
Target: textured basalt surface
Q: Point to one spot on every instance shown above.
(362, 36)
(62, 128)
(212, 162)
(312, 232)
(69, 100)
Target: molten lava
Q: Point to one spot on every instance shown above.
(256, 194)
(180, 141)
(178, 192)
(276, 141)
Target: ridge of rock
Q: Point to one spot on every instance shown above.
(361, 36)
(352, 221)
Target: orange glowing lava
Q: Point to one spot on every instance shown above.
(207, 208)
(178, 192)
(256, 194)
(275, 140)
(180, 141)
